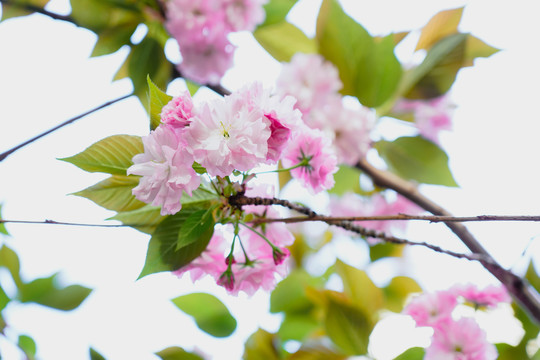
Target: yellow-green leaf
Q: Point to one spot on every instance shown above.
(282, 40)
(114, 193)
(360, 289)
(111, 155)
(145, 219)
(397, 292)
(158, 99)
(441, 25)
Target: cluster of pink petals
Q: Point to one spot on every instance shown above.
(166, 170)
(261, 270)
(430, 116)
(312, 146)
(315, 83)
(178, 112)
(201, 27)
(460, 339)
(351, 204)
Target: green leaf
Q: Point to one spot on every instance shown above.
(94, 355)
(4, 299)
(196, 227)
(208, 312)
(10, 260)
(415, 158)
(111, 155)
(383, 250)
(360, 289)
(347, 326)
(282, 40)
(148, 59)
(18, 8)
(177, 353)
(200, 198)
(415, 353)
(398, 291)
(297, 326)
(28, 346)
(290, 295)
(145, 219)
(367, 68)
(347, 180)
(112, 39)
(99, 15)
(45, 291)
(114, 193)
(475, 48)
(442, 24)
(276, 11)
(158, 99)
(162, 254)
(532, 276)
(262, 345)
(3, 229)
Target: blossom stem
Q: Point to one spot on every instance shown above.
(303, 163)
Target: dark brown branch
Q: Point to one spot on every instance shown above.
(240, 200)
(37, 9)
(524, 294)
(216, 88)
(12, 150)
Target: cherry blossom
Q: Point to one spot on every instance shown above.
(432, 309)
(460, 340)
(489, 297)
(309, 151)
(178, 112)
(166, 170)
(244, 14)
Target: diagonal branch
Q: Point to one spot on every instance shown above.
(37, 9)
(67, 122)
(525, 294)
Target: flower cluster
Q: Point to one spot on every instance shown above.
(461, 338)
(430, 116)
(315, 83)
(201, 27)
(258, 255)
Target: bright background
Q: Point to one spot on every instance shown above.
(46, 77)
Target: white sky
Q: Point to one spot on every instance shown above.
(46, 77)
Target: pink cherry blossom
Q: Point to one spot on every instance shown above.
(187, 19)
(263, 273)
(432, 309)
(489, 297)
(207, 57)
(244, 14)
(430, 116)
(310, 79)
(178, 112)
(460, 340)
(166, 170)
(227, 136)
(311, 146)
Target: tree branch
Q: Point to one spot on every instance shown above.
(37, 9)
(524, 294)
(241, 200)
(67, 122)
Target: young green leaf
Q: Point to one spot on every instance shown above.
(10, 260)
(177, 353)
(145, 219)
(442, 24)
(45, 291)
(111, 155)
(282, 40)
(158, 99)
(262, 345)
(114, 193)
(415, 353)
(162, 254)
(209, 313)
(198, 226)
(28, 346)
(94, 355)
(398, 291)
(415, 158)
(276, 11)
(3, 229)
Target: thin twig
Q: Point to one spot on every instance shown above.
(12, 150)
(53, 222)
(37, 9)
(403, 217)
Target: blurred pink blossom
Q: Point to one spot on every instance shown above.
(489, 297)
(244, 14)
(460, 340)
(432, 309)
(166, 170)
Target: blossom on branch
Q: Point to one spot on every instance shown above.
(166, 170)
(178, 112)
